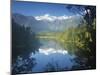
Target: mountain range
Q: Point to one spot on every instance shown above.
(46, 23)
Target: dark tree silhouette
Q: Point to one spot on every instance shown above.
(88, 12)
(23, 41)
(86, 55)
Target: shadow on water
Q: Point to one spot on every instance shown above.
(54, 66)
(23, 43)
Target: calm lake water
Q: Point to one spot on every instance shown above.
(52, 56)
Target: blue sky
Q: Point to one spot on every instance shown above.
(38, 9)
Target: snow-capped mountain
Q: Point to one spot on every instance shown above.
(47, 22)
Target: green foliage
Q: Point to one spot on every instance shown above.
(81, 41)
(23, 41)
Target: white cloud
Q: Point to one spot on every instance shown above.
(52, 18)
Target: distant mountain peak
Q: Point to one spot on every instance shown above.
(47, 23)
(49, 17)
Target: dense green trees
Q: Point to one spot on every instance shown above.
(23, 41)
(81, 40)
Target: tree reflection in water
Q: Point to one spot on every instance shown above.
(23, 65)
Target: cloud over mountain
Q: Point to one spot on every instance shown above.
(47, 23)
(52, 18)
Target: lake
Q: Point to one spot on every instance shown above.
(52, 57)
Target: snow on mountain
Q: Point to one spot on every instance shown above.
(52, 18)
(47, 23)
